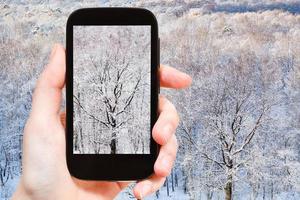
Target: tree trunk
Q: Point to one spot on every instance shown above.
(167, 184)
(81, 146)
(255, 190)
(157, 194)
(172, 177)
(176, 180)
(113, 143)
(4, 175)
(272, 190)
(185, 189)
(228, 188)
(209, 195)
(79, 138)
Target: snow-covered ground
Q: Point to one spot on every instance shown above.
(179, 194)
(7, 190)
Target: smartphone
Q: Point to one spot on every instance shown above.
(112, 86)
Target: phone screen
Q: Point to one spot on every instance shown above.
(111, 89)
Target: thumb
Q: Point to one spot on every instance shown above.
(47, 94)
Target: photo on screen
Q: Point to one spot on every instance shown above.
(111, 95)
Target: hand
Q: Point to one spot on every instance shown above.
(44, 169)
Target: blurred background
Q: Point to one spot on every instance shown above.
(240, 120)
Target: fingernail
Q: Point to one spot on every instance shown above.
(190, 79)
(54, 48)
(145, 190)
(187, 77)
(185, 74)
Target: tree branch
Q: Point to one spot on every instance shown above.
(220, 164)
(129, 99)
(90, 115)
(251, 134)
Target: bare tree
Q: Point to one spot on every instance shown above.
(110, 92)
(110, 88)
(232, 112)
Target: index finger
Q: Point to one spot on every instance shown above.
(173, 78)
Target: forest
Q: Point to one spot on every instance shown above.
(111, 89)
(239, 119)
(239, 135)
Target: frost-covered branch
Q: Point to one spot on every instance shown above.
(77, 102)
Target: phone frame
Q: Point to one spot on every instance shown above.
(111, 166)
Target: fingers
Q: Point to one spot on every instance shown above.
(148, 186)
(173, 78)
(47, 95)
(167, 122)
(163, 134)
(162, 168)
(166, 158)
(100, 189)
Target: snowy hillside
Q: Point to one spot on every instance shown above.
(240, 120)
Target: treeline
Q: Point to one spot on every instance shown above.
(239, 123)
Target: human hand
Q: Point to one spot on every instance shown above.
(44, 168)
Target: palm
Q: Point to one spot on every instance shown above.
(95, 189)
(45, 174)
(55, 175)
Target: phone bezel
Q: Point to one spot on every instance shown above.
(108, 166)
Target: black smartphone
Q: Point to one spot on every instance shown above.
(112, 86)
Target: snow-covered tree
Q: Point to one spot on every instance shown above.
(112, 89)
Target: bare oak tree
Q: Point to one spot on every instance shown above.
(111, 90)
(110, 86)
(232, 111)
